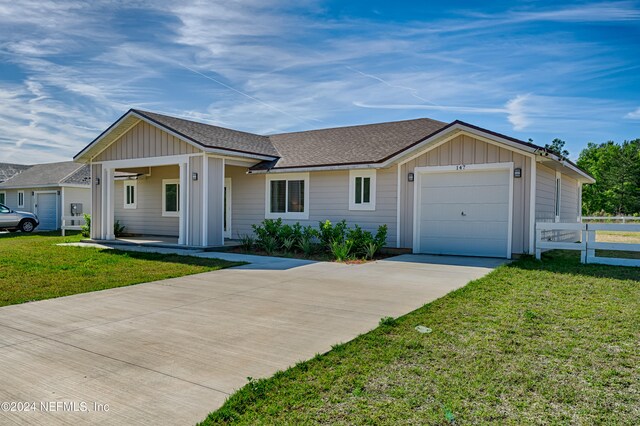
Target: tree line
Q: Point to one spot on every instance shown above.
(616, 169)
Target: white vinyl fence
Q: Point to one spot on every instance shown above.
(76, 223)
(587, 244)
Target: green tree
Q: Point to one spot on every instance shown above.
(616, 168)
(557, 147)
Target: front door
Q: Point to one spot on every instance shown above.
(227, 208)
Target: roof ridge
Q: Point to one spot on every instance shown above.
(351, 126)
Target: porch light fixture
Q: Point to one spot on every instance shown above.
(194, 176)
(517, 173)
(411, 177)
(97, 181)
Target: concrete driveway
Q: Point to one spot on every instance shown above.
(169, 352)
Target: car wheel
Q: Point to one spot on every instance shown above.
(27, 225)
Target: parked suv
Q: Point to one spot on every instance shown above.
(14, 220)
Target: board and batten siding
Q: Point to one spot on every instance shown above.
(465, 149)
(143, 141)
(546, 202)
(328, 199)
(76, 195)
(147, 217)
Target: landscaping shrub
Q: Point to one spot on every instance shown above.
(86, 228)
(337, 239)
(118, 229)
(341, 250)
(246, 242)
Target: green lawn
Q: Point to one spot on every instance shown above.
(555, 342)
(33, 267)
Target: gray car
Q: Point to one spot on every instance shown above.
(13, 220)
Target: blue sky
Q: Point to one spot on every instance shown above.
(528, 69)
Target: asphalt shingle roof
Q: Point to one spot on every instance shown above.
(8, 170)
(214, 136)
(50, 174)
(367, 143)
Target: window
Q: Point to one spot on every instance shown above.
(170, 197)
(287, 196)
(558, 195)
(130, 194)
(362, 190)
(3, 198)
(20, 198)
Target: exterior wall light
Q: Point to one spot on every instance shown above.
(517, 173)
(97, 181)
(410, 177)
(194, 176)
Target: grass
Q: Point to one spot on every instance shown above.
(33, 267)
(552, 342)
(618, 237)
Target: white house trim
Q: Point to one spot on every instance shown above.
(205, 200)
(557, 201)
(227, 184)
(132, 183)
(420, 171)
(398, 198)
(532, 205)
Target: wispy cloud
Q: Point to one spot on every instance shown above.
(633, 115)
(70, 67)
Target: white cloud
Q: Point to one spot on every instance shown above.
(516, 112)
(633, 115)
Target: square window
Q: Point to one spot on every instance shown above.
(287, 196)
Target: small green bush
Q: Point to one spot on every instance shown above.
(269, 244)
(118, 229)
(247, 242)
(307, 246)
(86, 228)
(341, 250)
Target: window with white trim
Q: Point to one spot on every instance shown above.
(3, 198)
(20, 198)
(558, 194)
(362, 190)
(287, 196)
(171, 197)
(130, 194)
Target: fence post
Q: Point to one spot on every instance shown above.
(538, 239)
(585, 242)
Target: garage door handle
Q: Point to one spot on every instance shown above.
(463, 214)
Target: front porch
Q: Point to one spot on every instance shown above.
(163, 201)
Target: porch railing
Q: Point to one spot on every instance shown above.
(588, 244)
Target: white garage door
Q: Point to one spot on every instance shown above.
(464, 212)
(46, 209)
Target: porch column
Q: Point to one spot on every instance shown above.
(109, 202)
(183, 198)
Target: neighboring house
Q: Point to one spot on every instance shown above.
(448, 188)
(8, 170)
(49, 190)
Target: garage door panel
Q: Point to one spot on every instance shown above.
(464, 246)
(47, 211)
(464, 213)
(473, 212)
(451, 229)
(456, 178)
(470, 194)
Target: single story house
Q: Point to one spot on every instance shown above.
(446, 188)
(51, 191)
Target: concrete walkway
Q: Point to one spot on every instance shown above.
(169, 352)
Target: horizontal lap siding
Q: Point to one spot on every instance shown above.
(328, 199)
(77, 195)
(147, 217)
(465, 149)
(143, 141)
